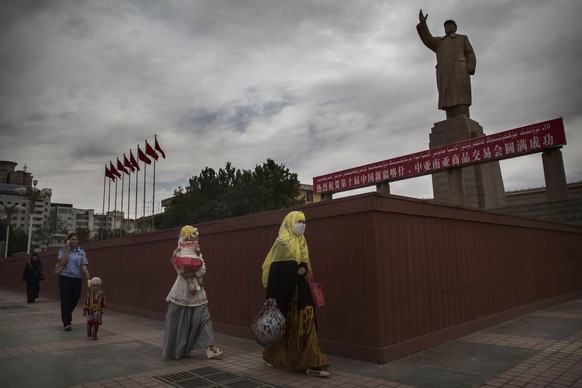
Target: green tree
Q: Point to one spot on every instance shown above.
(42, 237)
(231, 192)
(276, 187)
(56, 224)
(18, 241)
(102, 233)
(83, 234)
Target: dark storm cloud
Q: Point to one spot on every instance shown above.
(316, 86)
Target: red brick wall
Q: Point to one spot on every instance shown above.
(399, 275)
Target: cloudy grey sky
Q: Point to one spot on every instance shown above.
(318, 86)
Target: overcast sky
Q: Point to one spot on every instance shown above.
(319, 86)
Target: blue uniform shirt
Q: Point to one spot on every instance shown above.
(77, 257)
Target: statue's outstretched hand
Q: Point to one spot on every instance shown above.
(422, 18)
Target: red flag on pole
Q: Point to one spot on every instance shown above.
(150, 151)
(120, 167)
(127, 164)
(114, 170)
(108, 174)
(134, 162)
(159, 149)
(142, 156)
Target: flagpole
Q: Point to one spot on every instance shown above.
(144, 192)
(128, 169)
(121, 207)
(128, 199)
(136, 190)
(108, 208)
(115, 210)
(122, 171)
(136, 187)
(154, 196)
(103, 212)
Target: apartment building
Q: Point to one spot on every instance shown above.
(11, 182)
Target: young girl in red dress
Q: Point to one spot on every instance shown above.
(94, 307)
(187, 257)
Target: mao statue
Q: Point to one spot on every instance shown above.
(455, 64)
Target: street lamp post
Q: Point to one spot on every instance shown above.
(33, 194)
(8, 211)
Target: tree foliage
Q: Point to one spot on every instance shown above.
(101, 233)
(17, 240)
(230, 192)
(43, 236)
(84, 235)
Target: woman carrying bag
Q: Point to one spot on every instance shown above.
(284, 276)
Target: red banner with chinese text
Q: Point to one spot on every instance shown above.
(515, 142)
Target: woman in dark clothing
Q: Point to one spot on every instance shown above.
(284, 271)
(32, 276)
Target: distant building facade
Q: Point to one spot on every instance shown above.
(306, 193)
(85, 218)
(12, 179)
(65, 213)
(68, 216)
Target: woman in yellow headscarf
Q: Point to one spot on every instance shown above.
(284, 271)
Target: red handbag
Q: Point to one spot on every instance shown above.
(316, 291)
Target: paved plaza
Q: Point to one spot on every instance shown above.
(541, 349)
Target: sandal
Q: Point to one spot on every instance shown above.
(213, 352)
(318, 372)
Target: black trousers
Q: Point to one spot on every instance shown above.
(70, 289)
(32, 290)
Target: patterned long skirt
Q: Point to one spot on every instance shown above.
(298, 349)
(186, 328)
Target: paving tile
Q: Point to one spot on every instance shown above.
(540, 349)
(538, 327)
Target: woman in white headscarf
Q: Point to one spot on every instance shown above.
(188, 325)
(284, 276)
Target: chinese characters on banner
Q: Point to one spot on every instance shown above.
(515, 142)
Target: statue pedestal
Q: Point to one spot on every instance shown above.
(555, 174)
(479, 186)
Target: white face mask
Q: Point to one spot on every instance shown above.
(299, 228)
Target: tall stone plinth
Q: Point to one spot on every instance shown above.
(555, 174)
(479, 186)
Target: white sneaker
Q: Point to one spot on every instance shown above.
(318, 372)
(214, 352)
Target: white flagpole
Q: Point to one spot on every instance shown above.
(154, 196)
(122, 190)
(144, 190)
(128, 198)
(115, 209)
(103, 211)
(121, 207)
(136, 186)
(108, 207)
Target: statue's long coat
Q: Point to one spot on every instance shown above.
(454, 55)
